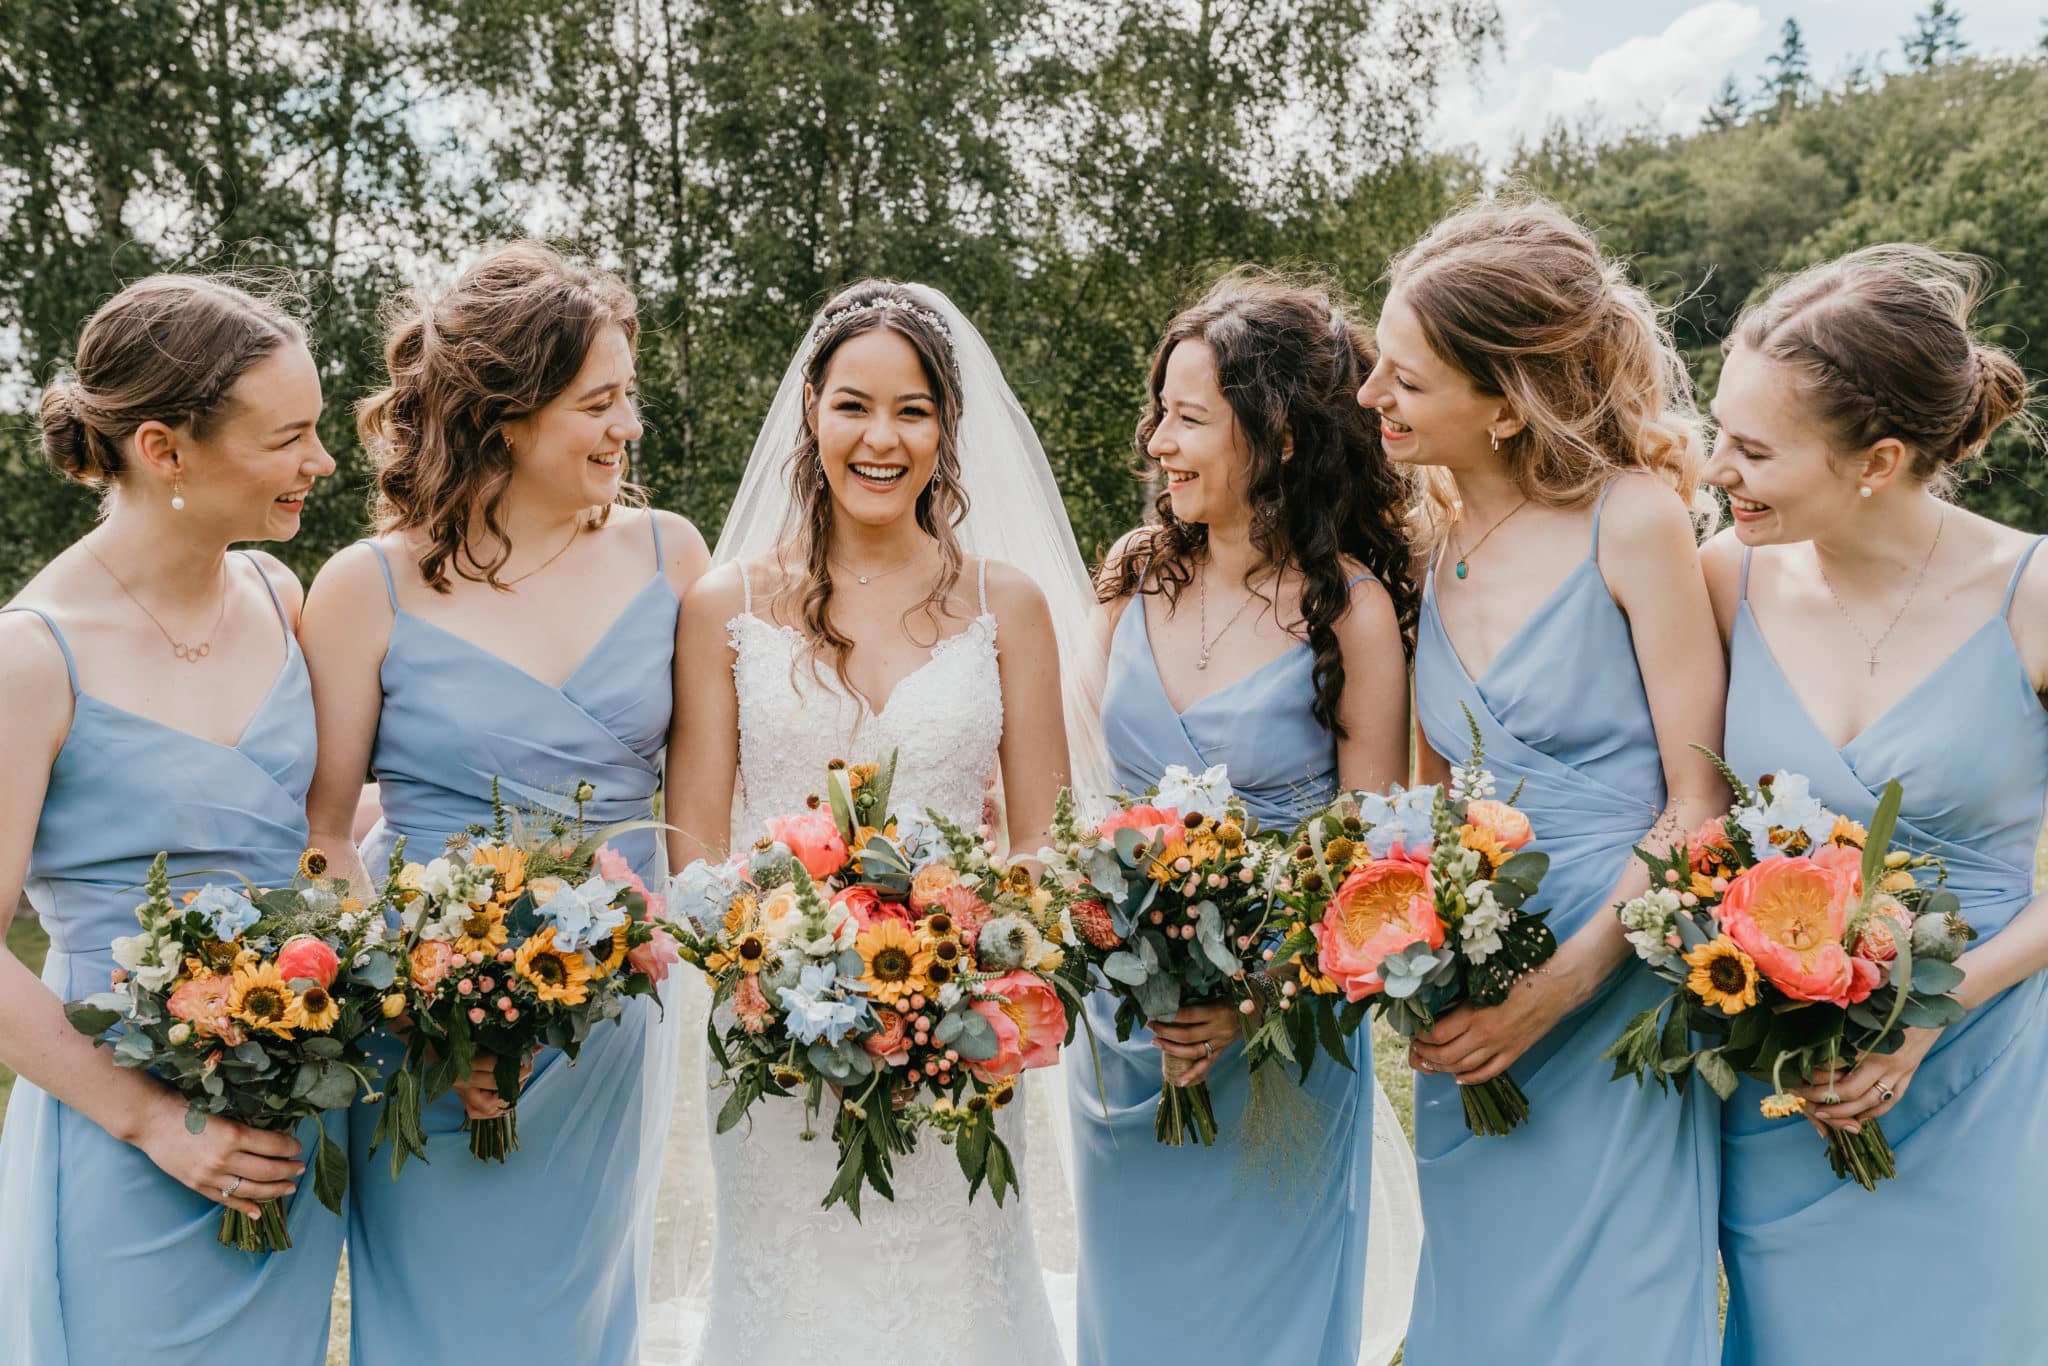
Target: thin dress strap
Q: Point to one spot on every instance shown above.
(746, 588)
(1361, 577)
(1742, 590)
(70, 664)
(1599, 504)
(654, 525)
(275, 601)
(390, 588)
(2017, 570)
(984, 585)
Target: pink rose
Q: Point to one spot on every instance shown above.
(867, 907)
(1790, 914)
(656, 956)
(306, 956)
(1380, 910)
(814, 838)
(431, 961)
(1030, 1025)
(891, 1042)
(1500, 820)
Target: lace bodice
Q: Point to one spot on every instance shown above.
(944, 721)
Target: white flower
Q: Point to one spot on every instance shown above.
(1184, 792)
(151, 961)
(949, 996)
(1470, 784)
(1650, 919)
(180, 1032)
(584, 914)
(437, 880)
(1479, 931)
(1792, 807)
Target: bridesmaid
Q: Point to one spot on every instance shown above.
(1877, 631)
(1293, 672)
(155, 700)
(510, 619)
(1564, 607)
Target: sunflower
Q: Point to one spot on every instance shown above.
(216, 958)
(481, 931)
(1162, 869)
(260, 999)
(508, 867)
(894, 961)
(1722, 975)
(609, 964)
(313, 1009)
(1485, 842)
(1338, 854)
(312, 864)
(740, 915)
(563, 978)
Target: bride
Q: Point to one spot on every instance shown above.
(897, 575)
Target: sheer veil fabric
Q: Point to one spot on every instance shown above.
(1016, 516)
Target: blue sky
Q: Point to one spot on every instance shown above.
(1659, 61)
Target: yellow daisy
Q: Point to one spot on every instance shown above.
(1485, 842)
(1782, 1105)
(554, 975)
(895, 962)
(508, 868)
(1722, 975)
(1847, 832)
(740, 915)
(482, 931)
(261, 1000)
(314, 1009)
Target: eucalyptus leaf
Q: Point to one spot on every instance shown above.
(978, 1041)
(1124, 966)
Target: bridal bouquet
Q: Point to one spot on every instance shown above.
(524, 935)
(1796, 942)
(1188, 890)
(1411, 903)
(902, 964)
(253, 1003)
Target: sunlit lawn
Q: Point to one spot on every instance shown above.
(28, 942)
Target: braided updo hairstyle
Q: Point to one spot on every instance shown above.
(1881, 341)
(167, 349)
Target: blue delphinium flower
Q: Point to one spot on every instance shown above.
(703, 891)
(229, 911)
(813, 1013)
(584, 914)
(1403, 818)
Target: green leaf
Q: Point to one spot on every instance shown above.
(1528, 866)
(330, 1171)
(1715, 1069)
(321, 1046)
(334, 1090)
(978, 1042)
(1933, 977)
(90, 1019)
(1124, 966)
(1883, 822)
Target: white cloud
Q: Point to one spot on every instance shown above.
(1665, 80)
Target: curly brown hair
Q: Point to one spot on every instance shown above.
(871, 306)
(168, 348)
(1289, 360)
(500, 345)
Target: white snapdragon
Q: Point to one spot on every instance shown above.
(1470, 784)
(1484, 919)
(1650, 920)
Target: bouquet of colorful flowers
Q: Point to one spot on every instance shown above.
(1187, 885)
(1796, 942)
(525, 934)
(903, 964)
(1412, 903)
(253, 1002)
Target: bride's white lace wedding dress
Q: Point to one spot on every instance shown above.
(930, 1279)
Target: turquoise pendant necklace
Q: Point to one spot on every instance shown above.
(1461, 566)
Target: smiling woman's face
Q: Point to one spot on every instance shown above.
(1773, 460)
(876, 414)
(1198, 443)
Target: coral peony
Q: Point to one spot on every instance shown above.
(1149, 821)
(867, 907)
(431, 961)
(930, 882)
(1030, 1025)
(308, 957)
(1380, 910)
(1789, 915)
(813, 837)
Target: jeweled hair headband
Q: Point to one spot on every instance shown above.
(832, 320)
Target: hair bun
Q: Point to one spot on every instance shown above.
(2001, 394)
(68, 443)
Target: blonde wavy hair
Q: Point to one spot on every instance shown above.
(1519, 297)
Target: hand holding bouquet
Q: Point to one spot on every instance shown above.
(1411, 904)
(252, 1003)
(1187, 890)
(514, 940)
(904, 965)
(1796, 942)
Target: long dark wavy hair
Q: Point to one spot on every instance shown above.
(1289, 359)
(499, 346)
(870, 306)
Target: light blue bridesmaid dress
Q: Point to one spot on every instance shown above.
(1586, 1236)
(543, 1259)
(1184, 1257)
(1819, 1269)
(103, 1257)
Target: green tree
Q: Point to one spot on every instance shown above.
(1728, 106)
(1791, 75)
(1937, 37)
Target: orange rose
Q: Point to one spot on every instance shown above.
(929, 882)
(1500, 820)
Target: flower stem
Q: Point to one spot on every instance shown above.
(1865, 1158)
(491, 1139)
(1495, 1106)
(264, 1233)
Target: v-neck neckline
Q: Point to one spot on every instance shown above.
(1515, 638)
(1159, 679)
(588, 655)
(291, 651)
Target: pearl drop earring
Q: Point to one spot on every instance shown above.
(177, 493)
(1864, 489)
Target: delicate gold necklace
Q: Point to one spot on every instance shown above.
(875, 573)
(1462, 558)
(190, 654)
(1871, 646)
(574, 532)
(1209, 642)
